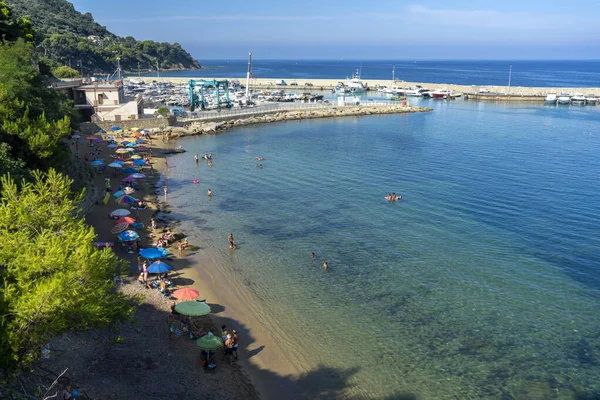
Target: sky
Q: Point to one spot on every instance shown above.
(376, 29)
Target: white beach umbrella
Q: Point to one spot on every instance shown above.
(120, 212)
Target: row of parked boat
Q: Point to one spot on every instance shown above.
(577, 98)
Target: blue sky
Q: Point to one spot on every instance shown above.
(379, 29)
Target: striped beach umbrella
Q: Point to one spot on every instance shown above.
(126, 199)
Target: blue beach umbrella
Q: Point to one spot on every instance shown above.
(130, 170)
(158, 267)
(97, 162)
(115, 128)
(128, 235)
(119, 193)
(140, 162)
(101, 131)
(153, 253)
(140, 141)
(131, 144)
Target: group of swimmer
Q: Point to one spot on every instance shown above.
(259, 158)
(393, 197)
(325, 264)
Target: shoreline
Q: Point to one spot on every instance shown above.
(329, 84)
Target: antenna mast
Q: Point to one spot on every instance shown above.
(248, 75)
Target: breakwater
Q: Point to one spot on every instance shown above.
(215, 122)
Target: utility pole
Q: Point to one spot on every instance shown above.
(81, 69)
(118, 68)
(139, 75)
(509, 76)
(248, 75)
(157, 71)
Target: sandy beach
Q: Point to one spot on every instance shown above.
(108, 362)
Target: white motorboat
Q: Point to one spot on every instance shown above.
(591, 99)
(414, 92)
(551, 98)
(564, 98)
(578, 98)
(352, 85)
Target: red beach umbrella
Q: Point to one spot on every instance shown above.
(127, 220)
(186, 294)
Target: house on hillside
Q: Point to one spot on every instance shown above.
(102, 101)
(94, 38)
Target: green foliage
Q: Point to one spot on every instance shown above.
(63, 72)
(55, 279)
(63, 36)
(12, 29)
(34, 119)
(163, 111)
(8, 165)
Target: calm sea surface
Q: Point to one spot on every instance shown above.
(524, 73)
(483, 282)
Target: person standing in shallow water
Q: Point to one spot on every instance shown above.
(166, 190)
(325, 265)
(230, 240)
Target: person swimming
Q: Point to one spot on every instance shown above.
(196, 181)
(209, 193)
(325, 265)
(260, 158)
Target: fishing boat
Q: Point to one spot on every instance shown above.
(352, 85)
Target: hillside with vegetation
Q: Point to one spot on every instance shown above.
(65, 36)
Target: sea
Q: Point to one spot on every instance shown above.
(579, 73)
(483, 282)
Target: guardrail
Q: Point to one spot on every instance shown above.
(277, 107)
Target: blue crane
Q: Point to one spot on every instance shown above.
(196, 102)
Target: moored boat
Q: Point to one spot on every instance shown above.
(578, 98)
(591, 99)
(440, 94)
(564, 98)
(551, 98)
(352, 85)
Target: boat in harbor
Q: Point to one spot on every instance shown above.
(440, 94)
(551, 98)
(564, 98)
(578, 98)
(591, 99)
(352, 85)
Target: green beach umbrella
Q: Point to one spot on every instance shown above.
(192, 308)
(209, 342)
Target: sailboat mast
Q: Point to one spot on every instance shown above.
(248, 74)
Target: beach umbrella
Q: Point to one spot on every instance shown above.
(131, 145)
(135, 129)
(101, 132)
(97, 162)
(128, 190)
(153, 253)
(192, 308)
(115, 128)
(137, 175)
(124, 142)
(186, 294)
(140, 141)
(158, 267)
(112, 145)
(130, 170)
(136, 134)
(128, 235)
(118, 228)
(128, 179)
(75, 136)
(130, 149)
(115, 165)
(121, 151)
(209, 342)
(144, 131)
(140, 162)
(135, 157)
(120, 212)
(126, 199)
(119, 193)
(128, 220)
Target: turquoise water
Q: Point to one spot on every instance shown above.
(483, 282)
